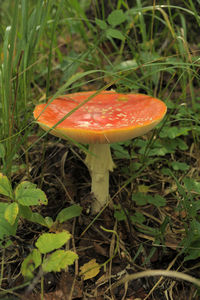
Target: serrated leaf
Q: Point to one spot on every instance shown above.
(59, 260)
(30, 263)
(192, 185)
(27, 194)
(160, 151)
(120, 215)
(195, 228)
(102, 24)
(138, 218)
(5, 186)
(139, 198)
(156, 200)
(194, 247)
(142, 199)
(6, 229)
(174, 131)
(116, 17)
(114, 33)
(120, 151)
(181, 144)
(26, 185)
(90, 269)
(69, 213)
(11, 213)
(48, 242)
(166, 171)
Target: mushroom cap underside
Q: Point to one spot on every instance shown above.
(107, 117)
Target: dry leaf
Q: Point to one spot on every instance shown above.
(90, 269)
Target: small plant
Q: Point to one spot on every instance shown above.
(115, 18)
(188, 208)
(140, 200)
(18, 202)
(48, 256)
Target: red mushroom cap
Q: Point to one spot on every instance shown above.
(106, 118)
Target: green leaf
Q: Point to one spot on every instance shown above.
(181, 144)
(119, 215)
(195, 228)
(26, 213)
(27, 194)
(48, 221)
(135, 166)
(5, 186)
(120, 152)
(194, 245)
(156, 200)
(69, 213)
(194, 254)
(138, 217)
(174, 131)
(11, 213)
(6, 228)
(114, 33)
(59, 260)
(179, 166)
(39, 219)
(142, 199)
(102, 24)
(159, 151)
(192, 185)
(139, 198)
(125, 65)
(48, 242)
(26, 185)
(166, 171)
(116, 17)
(30, 263)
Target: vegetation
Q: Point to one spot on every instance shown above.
(51, 247)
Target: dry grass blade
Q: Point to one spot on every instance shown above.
(148, 273)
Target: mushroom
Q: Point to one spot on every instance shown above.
(106, 118)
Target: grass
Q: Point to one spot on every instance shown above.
(48, 48)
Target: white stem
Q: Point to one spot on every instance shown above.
(99, 163)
